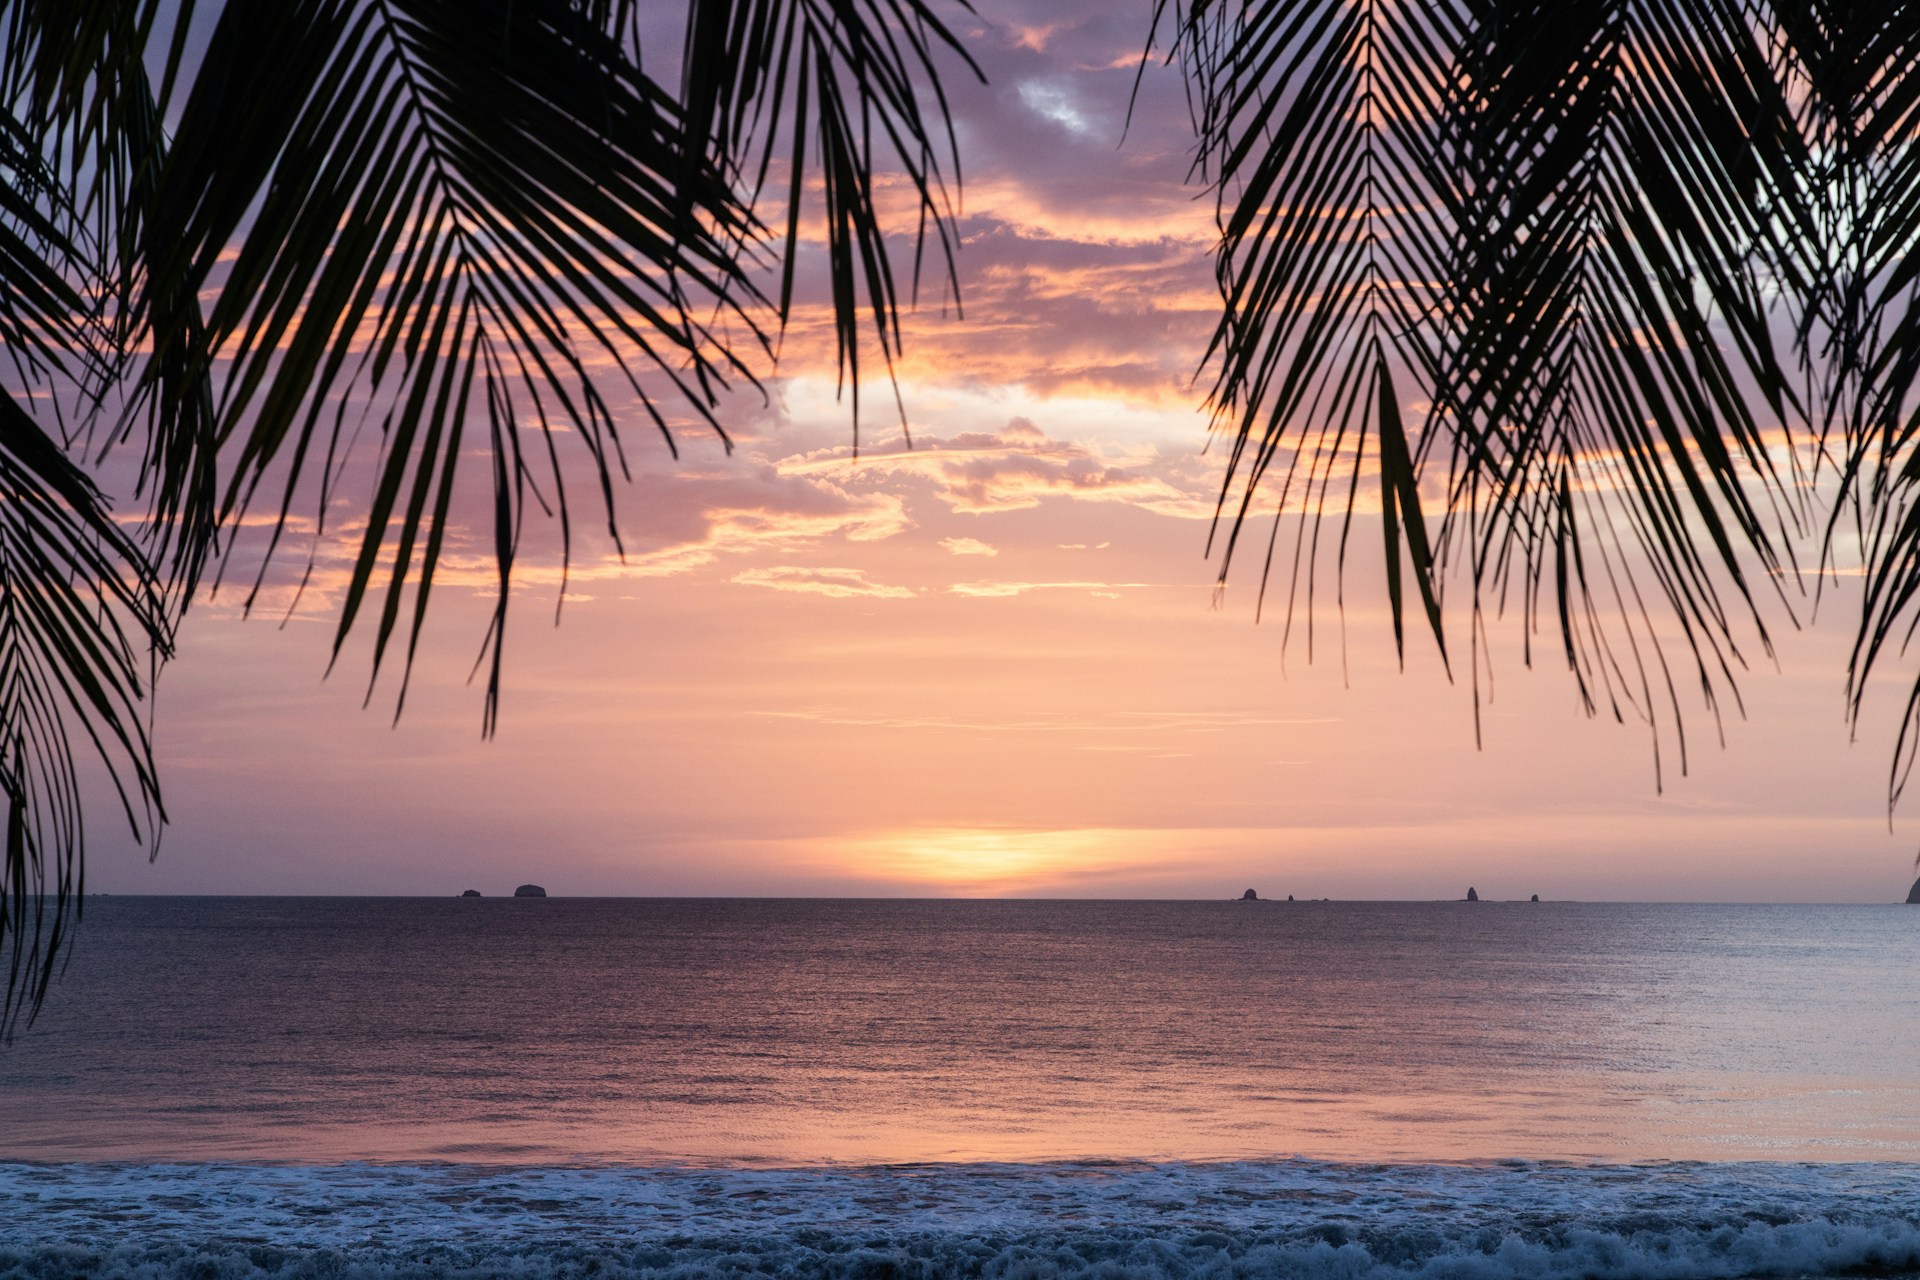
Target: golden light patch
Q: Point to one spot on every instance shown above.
(997, 860)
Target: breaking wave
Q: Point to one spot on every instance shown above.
(1081, 1221)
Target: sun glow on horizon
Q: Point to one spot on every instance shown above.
(1002, 861)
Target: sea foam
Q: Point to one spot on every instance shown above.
(1080, 1221)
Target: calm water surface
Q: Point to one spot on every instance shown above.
(740, 1031)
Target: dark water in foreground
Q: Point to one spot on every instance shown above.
(582, 1031)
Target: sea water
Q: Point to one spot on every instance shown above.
(1005, 1089)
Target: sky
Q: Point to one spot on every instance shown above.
(995, 663)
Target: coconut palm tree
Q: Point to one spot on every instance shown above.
(1605, 304)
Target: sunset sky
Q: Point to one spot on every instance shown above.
(991, 664)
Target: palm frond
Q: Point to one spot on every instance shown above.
(78, 618)
(1857, 335)
(83, 622)
(1540, 223)
(46, 327)
(1317, 127)
(81, 104)
(1603, 252)
(441, 212)
(836, 85)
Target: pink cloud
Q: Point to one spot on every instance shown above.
(842, 583)
(672, 522)
(994, 590)
(1018, 467)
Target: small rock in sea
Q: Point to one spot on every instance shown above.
(1534, 898)
(1249, 896)
(1471, 895)
(529, 891)
(471, 893)
(1289, 897)
(1913, 895)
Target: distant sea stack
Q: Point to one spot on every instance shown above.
(1251, 896)
(1472, 895)
(1534, 898)
(471, 893)
(529, 891)
(1913, 895)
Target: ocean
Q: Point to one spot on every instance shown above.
(865, 1089)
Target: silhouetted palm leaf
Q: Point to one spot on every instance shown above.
(82, 108)
(1579, 236)
(838, 82)
(438, 208)
(1601, 257)
(77, 622)
(81, 619)
(1857, 203)
(1317, 127)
